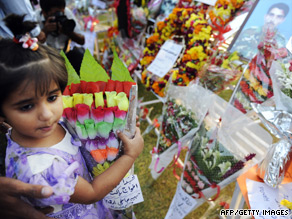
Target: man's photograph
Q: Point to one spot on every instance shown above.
(272, 15)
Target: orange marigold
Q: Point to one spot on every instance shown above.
(198, 28)
(152, 39)
(186, 57)
(160, 25)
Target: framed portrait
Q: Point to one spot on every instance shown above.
(272, 14)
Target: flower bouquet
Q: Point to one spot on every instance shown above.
(180, 119)
(177, 121)
(221, 72)
(208, 164)
(97, 106)
(225, 144)
(256, 84)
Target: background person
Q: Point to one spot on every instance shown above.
(20, 7)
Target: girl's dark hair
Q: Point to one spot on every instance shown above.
(19, 65)
(47, 5)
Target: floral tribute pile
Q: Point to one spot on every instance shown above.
(191, 23)
(177, 121)
(208, 163)
(221, 71)
(96, 107)
(256, 84)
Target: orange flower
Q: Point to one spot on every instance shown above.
(160, 25)
(152, 39)
(198, 28)
(186, 57)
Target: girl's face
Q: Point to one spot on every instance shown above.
(33, 118)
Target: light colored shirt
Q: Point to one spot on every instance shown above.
(58, 42)
(19, 7)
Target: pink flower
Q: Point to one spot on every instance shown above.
(201, 184)
(108, 115)
(97, 114)
(121, 114)
(71, 115)
(83, 112)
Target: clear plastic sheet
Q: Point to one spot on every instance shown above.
(195, 99)
(237, 134)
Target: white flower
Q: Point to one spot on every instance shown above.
(184, 183)
(189, 189)
(224, 167)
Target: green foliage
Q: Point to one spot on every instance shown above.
(119, 70)
(72, 75)
(90, 70)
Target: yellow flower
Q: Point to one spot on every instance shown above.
(111, 98)
(99, 101)
(286, 203)
(122, 101)
(225, 64)
(88, 99)
(77, 98)
(67, 101)
(262, 91)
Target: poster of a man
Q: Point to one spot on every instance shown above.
(267, 14)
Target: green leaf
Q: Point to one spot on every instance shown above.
(72, 75)
(90, 70)
(119, 70)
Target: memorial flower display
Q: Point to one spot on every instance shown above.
(177, 121)
(208, 163)
(256, 83)
(221, 71)
(191, 23)
(96, 107)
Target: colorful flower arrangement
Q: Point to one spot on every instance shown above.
(224, 10)
(96, 107)
(220, 71)
(191, 23)
(256, 84)
(196, 32)
(177, 121)
(208, 164)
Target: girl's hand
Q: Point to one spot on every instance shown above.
(132, 147)
(11, 206)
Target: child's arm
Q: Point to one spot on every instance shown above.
(87, 193)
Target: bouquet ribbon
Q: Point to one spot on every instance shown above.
(220, 29)
(155, 151)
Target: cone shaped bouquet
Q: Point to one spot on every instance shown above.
(97, 106)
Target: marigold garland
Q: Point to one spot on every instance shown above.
(191, 23)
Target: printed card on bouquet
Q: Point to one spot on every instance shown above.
(181, 205)
(208, 2)
(263, 197)
(165, 58)
(126, 194)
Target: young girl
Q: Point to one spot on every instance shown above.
(40, 149)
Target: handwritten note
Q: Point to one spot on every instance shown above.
(266, 199)
(126, 194)
(165, 58)
(181, 204)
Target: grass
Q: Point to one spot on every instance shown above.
(159, 193)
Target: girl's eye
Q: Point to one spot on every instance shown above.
(52, 98)
(26, 107)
